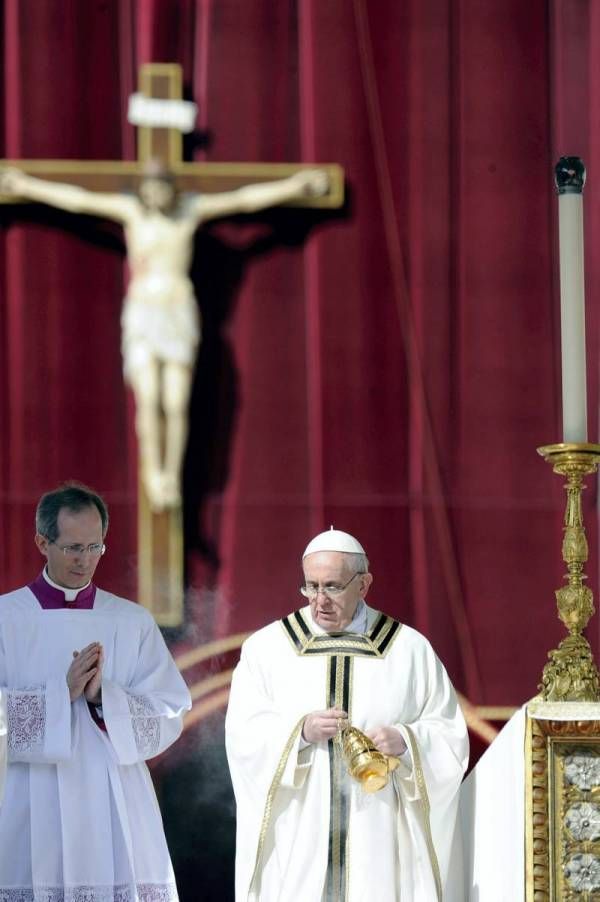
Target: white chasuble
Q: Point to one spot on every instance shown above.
(306, 830)
(79, 821)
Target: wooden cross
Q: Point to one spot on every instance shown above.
(164, 81)
(160, 535)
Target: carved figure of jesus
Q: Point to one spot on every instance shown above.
(160, 319)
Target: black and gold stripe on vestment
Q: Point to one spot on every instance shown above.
(339, 694)
(340, 648)
(374, 644)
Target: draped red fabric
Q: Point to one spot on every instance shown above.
(389, 369)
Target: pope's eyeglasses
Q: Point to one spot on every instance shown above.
(96, 549)
(332, 590)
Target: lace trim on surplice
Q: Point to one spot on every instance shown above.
(146, 726)
(146, 892)
(26, 714)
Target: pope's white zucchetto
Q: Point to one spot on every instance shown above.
(334, 540)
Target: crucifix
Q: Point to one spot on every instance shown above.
(160, 321)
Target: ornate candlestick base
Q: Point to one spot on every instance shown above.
(571, 674)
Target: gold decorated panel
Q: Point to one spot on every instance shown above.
(563, 811)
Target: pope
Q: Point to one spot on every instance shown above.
(305, 828)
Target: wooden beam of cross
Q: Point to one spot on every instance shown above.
(160, 535)
(163, 81)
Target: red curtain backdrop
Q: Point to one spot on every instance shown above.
(389, 369)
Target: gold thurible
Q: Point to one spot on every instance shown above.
(364, 762)
(570, 673)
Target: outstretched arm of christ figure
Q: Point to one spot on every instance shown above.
(250, 198)
(17, 184)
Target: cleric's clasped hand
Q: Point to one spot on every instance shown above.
(84, 676)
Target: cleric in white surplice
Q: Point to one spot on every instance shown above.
(89, 692)
(306, 830)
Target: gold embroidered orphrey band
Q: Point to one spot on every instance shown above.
(375, 644)
(341, 649)
(338, 694)
(255, 881)
(425, 810)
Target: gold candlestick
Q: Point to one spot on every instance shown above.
(571, 674)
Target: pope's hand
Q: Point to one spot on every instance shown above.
(388, 740)
(84, 667)
(320, 726)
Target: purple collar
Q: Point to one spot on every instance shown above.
(51, 598)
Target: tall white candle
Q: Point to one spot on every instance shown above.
(570, 178)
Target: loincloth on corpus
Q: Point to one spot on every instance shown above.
(168, 333)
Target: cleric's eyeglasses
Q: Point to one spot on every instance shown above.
(96, 549)
(332, 590)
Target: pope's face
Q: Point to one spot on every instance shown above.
(331, 569)
(82, 527)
